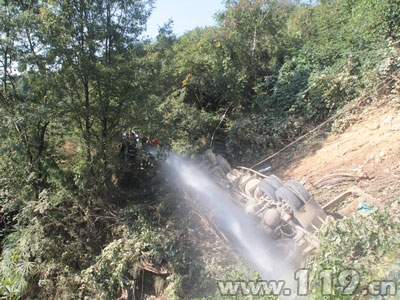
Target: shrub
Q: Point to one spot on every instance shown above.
(356, 243)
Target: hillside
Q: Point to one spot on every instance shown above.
(91, 109)
(367, 149)
(360, 152)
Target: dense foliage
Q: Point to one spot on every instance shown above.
(75, 74)
(356, 244)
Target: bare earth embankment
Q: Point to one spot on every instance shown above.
(365, 155)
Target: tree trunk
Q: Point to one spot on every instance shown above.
(5, 63)
(87, 124)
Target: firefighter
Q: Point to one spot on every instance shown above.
(136, 141)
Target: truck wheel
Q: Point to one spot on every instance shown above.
(286, 195)
(267, 189)
(298, 189)
(274, 181)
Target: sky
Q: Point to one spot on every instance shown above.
(186, 14)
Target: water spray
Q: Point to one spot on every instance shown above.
(257, 249)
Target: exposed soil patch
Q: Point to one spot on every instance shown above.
(366, 155)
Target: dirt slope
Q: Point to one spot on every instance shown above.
(366, 155)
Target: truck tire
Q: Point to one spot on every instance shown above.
(299, 190)
(274, 181)
(286, 195)
(267, 189)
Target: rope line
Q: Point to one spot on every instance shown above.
(219, 125)
(366, 95)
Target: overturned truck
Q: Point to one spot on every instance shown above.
(286, 212)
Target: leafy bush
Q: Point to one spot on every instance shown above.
(53, 238)
(356, 243)
(186, 127)
(118, 266)
(257, 135)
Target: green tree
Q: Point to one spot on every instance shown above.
(91, 41)
(28, 103)
(253, 35)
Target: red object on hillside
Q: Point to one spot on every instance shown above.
(154, 142)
